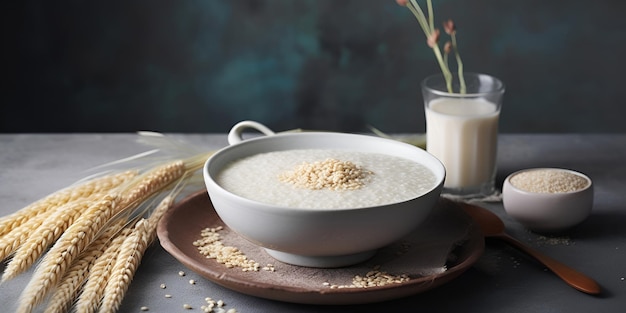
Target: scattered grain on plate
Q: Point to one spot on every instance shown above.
(187, 306)
(373, 278)
(163, 286)
(192, 282)
(168, 296)
(548, 181)
(377, 278)
(211, 246)
(181, 273)
(144, 308)
(330, 174)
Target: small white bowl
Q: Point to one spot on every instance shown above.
(529, 202)
(318, 237)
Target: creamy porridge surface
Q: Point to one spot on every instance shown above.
(381, 179)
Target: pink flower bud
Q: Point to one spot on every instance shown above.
(447, 48)
(433, 38)
(402, 2)
(449, 27)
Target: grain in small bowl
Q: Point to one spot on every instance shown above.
(548, 200)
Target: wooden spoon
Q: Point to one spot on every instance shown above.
(492, 226)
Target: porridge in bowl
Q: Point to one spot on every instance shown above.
(313, 198)
(326, 178)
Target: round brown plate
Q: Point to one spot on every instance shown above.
(181, 226)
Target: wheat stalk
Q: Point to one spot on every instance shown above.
(62, 197)
(80, 227)
(156, 215)
(71, 283)
(44, 236)
(126, 263)
(132, 251)
(65, 250)
(11, 241)
(151, 182)
(93, 290)
(92, 294)
(76, 238)
(25, 222)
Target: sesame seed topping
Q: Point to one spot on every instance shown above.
(330, 174)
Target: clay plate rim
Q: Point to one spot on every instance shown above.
(182, 223)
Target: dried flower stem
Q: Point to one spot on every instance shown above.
(432, 34)
(452, 32)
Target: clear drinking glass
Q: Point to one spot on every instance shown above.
(462, 131)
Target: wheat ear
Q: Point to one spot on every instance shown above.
(62, 197)
(92, 294)
(65, 250)
(82, 232)
(155, 216)
(71, 283)
(151, 182)
(11, 241)
(93, 290)
(43, 237)
(126, 263)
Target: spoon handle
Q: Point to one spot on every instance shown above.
(571, 276)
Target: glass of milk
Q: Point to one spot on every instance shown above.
(462, 131)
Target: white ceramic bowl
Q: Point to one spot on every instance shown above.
(318, 237)
(547, 212)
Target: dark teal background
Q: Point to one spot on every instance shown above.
(201, 66)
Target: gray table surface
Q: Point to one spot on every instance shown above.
(503, 280)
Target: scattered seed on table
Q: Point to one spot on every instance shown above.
(168, 296)
(192, 282)
(187, 306)
(144, 308)
(162, 286)
(181, 273)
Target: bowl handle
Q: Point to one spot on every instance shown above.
(234, 136)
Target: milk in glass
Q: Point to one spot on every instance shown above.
(462, 134)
